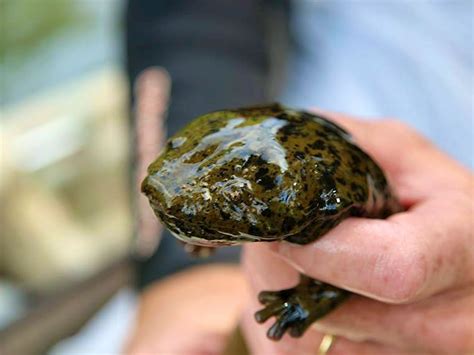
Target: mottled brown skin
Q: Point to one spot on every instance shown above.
(265, 174)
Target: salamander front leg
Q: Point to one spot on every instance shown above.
(297, 308)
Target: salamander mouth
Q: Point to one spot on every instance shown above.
(195, 229)
(203, 242)
(195, 233)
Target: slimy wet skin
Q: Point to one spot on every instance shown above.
(267, 173)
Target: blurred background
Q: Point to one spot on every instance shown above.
(64, 195)
(65, 214)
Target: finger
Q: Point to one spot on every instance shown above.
(151, 92)
(409, 256)
(258, 343)
(440, 323)
(309, 343)
(343, 346)
(264, 269)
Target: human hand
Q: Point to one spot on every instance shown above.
(413, 273)
(192, 312)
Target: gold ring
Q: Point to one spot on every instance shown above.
(326, 343)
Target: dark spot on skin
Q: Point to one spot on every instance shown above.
(267, 182)
(323, 135)
(288, 224)
(261, 173)
(263, 179)
(327, 182)
(357, 171)
(314, 204)
(225, 216)
(253, 230)
(289, 130)
(334, 151)
(318, 144)
(355, 158)
(208, 230)
(299, 155)
(254, 160)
